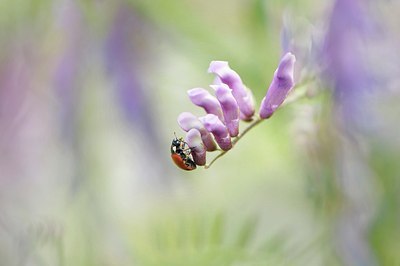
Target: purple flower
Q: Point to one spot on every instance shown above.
(69, 66)
(243, 96)
(348, 41)
(195, 142)
(280, 86)
(218, 129)
(188, 121)
(230, 108)
(204, 99)
(233, 102)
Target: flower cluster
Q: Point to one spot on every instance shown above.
(232, 102)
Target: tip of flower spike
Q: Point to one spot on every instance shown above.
(231, 78)
(187, 120)
(196, 92)
(281, 85)
(286, 66)
(216, 65)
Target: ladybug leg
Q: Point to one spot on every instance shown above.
(190, 163)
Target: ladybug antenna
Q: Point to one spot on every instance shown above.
(175, 135)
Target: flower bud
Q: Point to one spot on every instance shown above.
(243, 96)
(280, 86)
(204, 99)
(230, 108)
(218, 129)
(187, 121)
(193, 139)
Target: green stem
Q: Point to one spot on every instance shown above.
(255, 123)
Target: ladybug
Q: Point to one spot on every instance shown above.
(181, 154)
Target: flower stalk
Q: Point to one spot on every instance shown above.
(236, 140)
(233, 102)
(257, 120)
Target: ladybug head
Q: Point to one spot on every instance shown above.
(176, 142)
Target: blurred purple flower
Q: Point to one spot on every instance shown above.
(243, 96)
(347, 71)
(66, 78)
(286, 37)
(195, 142)
(351, 29)
(125, 49)
(14, 86)
(121, 61)
(68, 68)
(300, 37)
(280, 86)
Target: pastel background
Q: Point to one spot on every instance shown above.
(90, 92)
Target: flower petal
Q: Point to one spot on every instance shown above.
(218, 129)
(280, 86)
(243, 96)
(187, 121)
(204, 99)
(193, 139)
(230, 108)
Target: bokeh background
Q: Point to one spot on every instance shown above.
(89, 95)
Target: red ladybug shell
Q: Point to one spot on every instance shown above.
(180, 162)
